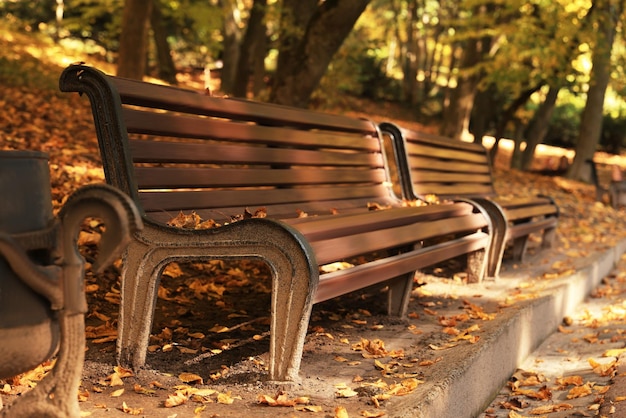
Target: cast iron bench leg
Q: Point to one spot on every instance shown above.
(293, 285)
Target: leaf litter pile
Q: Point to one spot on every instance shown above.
(207, 353)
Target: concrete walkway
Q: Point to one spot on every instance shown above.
(466, 385)
(578, 370)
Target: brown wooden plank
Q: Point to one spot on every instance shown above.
(330, 250)
(451, 190)
(527, 228)
(520, 202)
(326, 227)
(161, 178)
(343, 281)
(288, 212)
(529, 212)
(180, 126)
(219, 153)
(195, 200)
(172, 98)
(417, 137)
(446, 153)
(423, 162)
(420, 176)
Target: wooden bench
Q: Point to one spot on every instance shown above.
(454, 169)
(609, 181)
(314, 174)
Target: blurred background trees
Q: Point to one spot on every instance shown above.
(538, 71)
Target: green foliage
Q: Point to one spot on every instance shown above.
(356, 69)
(28, 14)
(96, 20)
(613, 133)
(564, 126)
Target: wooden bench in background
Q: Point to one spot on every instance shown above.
(432, 164)
(176, 150)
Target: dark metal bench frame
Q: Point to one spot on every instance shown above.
(432, 164)
(219, 156)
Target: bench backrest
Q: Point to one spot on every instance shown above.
(439, 165)
(173, 149)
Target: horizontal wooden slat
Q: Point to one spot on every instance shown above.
(454, 190)
(425, 162)
(527, 228)
(221, 153)
(319, 228)
(340, 282)
(520, 202)
(161, 178)
(195, 200)
(439, 141)
(288, 212)
(529, 212)
(331, 250)
(166, 124)
(421, 176)
(143, 94)
(445, 153)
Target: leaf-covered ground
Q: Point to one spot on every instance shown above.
(210, 335)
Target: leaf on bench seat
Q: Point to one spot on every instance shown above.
(194, 221)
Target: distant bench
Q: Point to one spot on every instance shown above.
(432, 164)
(317, 176)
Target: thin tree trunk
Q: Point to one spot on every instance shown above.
(410, 66)
(538, 128)
(134, 39)
(507, 116)
(253, 40)
(166, 70)
(591, 119)
(231, 44)
(457, 114)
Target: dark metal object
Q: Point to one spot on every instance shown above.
(41, 278)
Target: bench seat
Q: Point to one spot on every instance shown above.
(314, 181)
(435, 165)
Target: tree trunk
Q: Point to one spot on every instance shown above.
(456, 114)
(231, 44)
(538, 128)
(310, 34)
(252, 49)
(484, 111)
(410, 60)
(165, 64)
(591, 119)
(507, 116)
(134, 39)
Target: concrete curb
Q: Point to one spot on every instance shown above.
(465, 386)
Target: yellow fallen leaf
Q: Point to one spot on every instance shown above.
(341, 412)
(570, 380)
(375, 414)
(308, 408)
(131, 411)
(190, 378)
(225, 398)
(117, 393)
(344, 391)
(615, 352)
(548, 409)
(177, 399)
(580, 391)
(603, 369)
